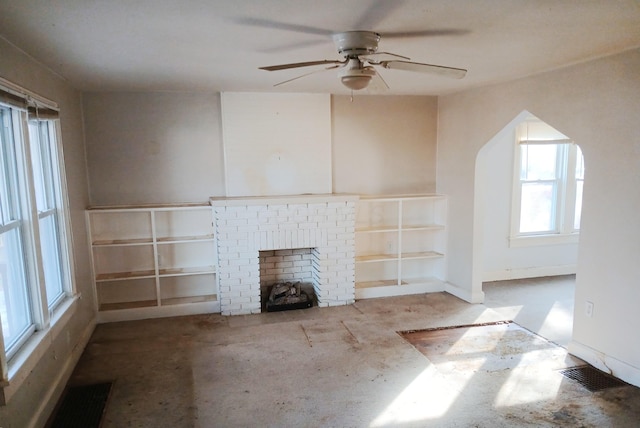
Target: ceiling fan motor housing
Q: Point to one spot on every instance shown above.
(354, 43)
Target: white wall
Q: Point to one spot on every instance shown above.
(596, 103)
(494, 181)
(158, 147)
(34, 400)
(140, 153)
(384, 144)
(276, 144)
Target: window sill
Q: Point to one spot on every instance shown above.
(540, 240)
(32, 352)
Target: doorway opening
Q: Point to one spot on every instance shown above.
(529, 181)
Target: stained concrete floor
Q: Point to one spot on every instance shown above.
(345, 367)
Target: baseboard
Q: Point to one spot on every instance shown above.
(434, 286)
(52, 395)
(530, 272)
(606, 363)
(196, 308)
(464, 294)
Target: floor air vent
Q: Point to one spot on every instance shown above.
(82, 407)
(592, 378)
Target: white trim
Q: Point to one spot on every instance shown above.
(471, 296)
(315, 198)
(606, 363)
(538, 142)
(550, 239)
(528, 272)
(31, 231)
(434, 286)
(26, 94)
(65, 231)
(32, 352)
(159, 312)
(52, 395)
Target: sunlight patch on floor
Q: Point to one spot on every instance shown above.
(429, 396)
(527, 385)
(472, 340)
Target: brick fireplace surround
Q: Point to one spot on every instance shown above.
(245, 226)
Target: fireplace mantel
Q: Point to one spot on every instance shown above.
(236, 201)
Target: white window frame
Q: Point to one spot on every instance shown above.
(22, 226)
(565, 196)
(57, 212)
(49, 321)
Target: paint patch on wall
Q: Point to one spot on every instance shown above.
(277, 144)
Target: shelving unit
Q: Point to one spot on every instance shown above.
(152, 261)
(400, 245)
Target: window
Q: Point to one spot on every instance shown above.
(15, 296)
(48, 201)
(548, 184)
(35, 270)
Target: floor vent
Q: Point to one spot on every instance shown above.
(592, 378)
(82, 406)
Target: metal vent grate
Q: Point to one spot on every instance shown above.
(592, 378)
(82, 406)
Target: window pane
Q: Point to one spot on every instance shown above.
(579, 164)
(8, 192)
(537, 207)
(36, 161)
(51, 258)
(43, 176)
(578, 212)
(42, 165)
(538, 162)
(15, 308)
(14, 298)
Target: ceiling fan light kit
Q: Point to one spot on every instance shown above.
(357, 81)
(360, 52)
(356, 76)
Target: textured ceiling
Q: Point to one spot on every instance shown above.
(144, 45)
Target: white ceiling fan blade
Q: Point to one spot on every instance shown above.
(456, 73)
(267, 23)
(292, 46)
(426, 33)
(307, 74)
(301, 64)
(378, 57)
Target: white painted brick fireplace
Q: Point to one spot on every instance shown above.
(320, 229)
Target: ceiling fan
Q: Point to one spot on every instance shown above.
(361, 56)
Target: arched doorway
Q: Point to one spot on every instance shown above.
(526, 217)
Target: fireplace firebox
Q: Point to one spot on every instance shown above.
(286, 296)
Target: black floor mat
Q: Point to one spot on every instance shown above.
(592, 378)
(82, 406)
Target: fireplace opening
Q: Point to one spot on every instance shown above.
(288, 278)
(286, 296)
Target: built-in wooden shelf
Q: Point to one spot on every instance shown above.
(400, 244)
(147, 260)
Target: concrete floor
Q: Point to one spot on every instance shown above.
(348, 367)
(542, 305)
